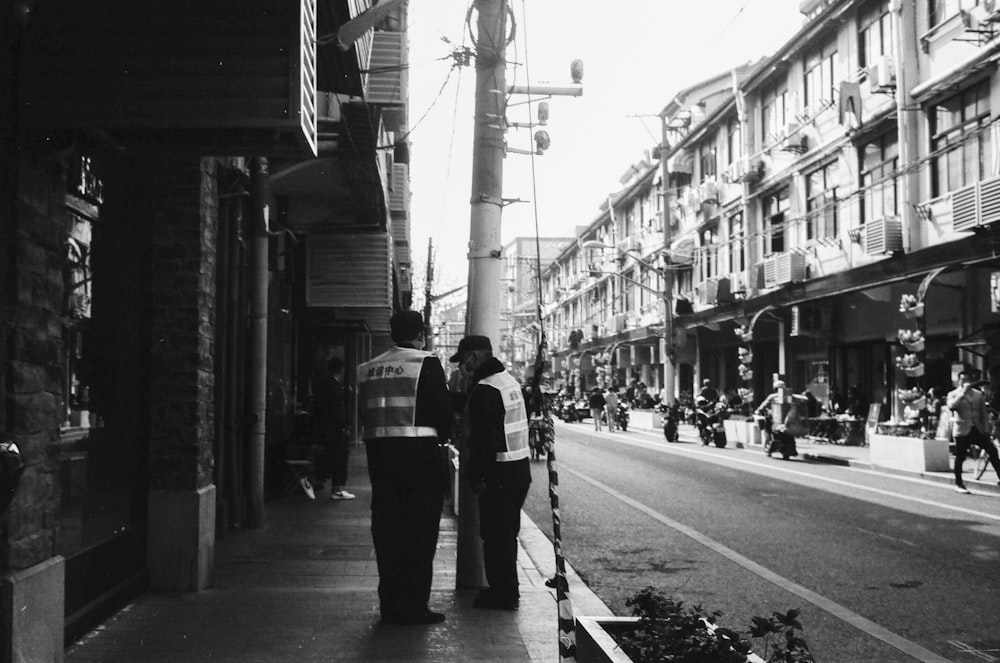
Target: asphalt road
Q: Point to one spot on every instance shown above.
(884, 568)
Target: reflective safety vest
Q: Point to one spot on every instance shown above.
(515, 424)
(388, 386)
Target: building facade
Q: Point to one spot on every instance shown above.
(521, 332)
(197, 210)
(840, 181)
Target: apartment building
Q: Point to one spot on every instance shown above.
(520, 329)
(849, 176)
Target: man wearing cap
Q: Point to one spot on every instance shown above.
(499, 469)
(406, 411)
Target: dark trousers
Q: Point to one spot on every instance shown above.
(331, 462)
(962, 444)
(499, 524)
(408, 481)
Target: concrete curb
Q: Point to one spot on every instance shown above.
(540, 551)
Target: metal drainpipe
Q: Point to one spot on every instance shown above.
(234, 367)
(223, 248)
(903, 13)
(257, 377)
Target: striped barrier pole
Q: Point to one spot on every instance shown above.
(567, 625)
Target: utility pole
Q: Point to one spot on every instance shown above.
(485, 266)
(257, 378)
(669, 338)
(428, 283)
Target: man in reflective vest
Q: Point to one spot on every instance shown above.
(406, 411)
(499, 469)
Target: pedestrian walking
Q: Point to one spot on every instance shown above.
(499, 471)
(969, 425)
(406, 411)
(330, 432)
(611, 408)
(597, 404)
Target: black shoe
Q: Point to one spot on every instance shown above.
(425, 617)
(494, 602)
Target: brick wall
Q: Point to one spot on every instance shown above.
(183, 296)
(32, 390)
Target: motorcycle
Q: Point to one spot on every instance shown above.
(570, 409)
(670, 417)
(777, 439)
(621, 417)
(710, 428)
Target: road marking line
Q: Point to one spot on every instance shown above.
(908, 647)
(972, 651)
(654, 446)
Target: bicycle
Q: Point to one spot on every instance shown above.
(982, 458)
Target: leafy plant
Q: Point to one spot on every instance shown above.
(671, 631)
(907, 302)
(910, 395)
(910, 335)
(782, 643)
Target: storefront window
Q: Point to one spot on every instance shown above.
(821, 202)
(773, 114)
(821, 76)
(736, 263)
(957, 136)
(876, 34)
(879, 183)
(942, 10)
(775, 211)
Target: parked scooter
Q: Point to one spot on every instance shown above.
(565, 409)
(710, 427)
(670, 418)
(621, 416)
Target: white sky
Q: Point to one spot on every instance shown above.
(637, 55)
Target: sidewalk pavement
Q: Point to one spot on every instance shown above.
(303, 588)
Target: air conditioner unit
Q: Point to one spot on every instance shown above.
(782, 268)
(989, 201)
(618, 323)
(975, 205)
(708, 291)
(882, 74)
(883, 236)
(399, 192)
(964, 208)
(709, 193)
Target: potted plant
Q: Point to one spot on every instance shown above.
(746, 355)
(905, 445)
(745, 333)
(911, 365)
(746, 372)
(913, 397)
(911, 307)
(663, 629)
(912, 339)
